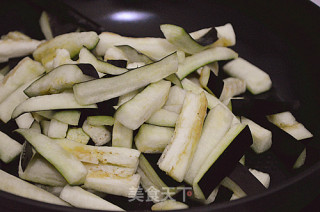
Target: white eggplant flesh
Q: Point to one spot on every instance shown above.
(115, 170)
(9, 148)
(176, 158)
(216, 125)
(15, 185)
(232, 87)
(100, 135)
(257, 81)
(169, 205)
(39, 170)
(139, 109)
(25, 120)
(122, 136)
(117, 156)
(163, 118)
(155, 48)
(57, 129)
(49, 102)
(112, 184)
(78, 135)
(262, 138)
(287, 122)
(25, 71)
(80, 198)
(153, 139)
(67, 164)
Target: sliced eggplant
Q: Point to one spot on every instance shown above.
(153, 139)
(222, 160)
(100, 135)
(57, 129)
(78, 135)
(39, 170)
(16, 44)
(122, 136)
(112, 184)
(135, 112)
(45, 124)
(68, 165)
(176, 158)
(182, 40)
(81, 198)
(8, 105)
(242, 182)
(192, 63)
(262, 138)
(232, 87)
(49, 102)
(169, 205)
(257, 81)
(103, 89)
(156, 48)
(70, 117)
(44, 22)
(14, 185)
(58, 80)
(175, 99)
(115, 170)
(117, 156)
(85, 56)
(100, 120)
(25, 120)
(9, 148)
(73, 42)
(216, 125)
(287, 122)
(126, 97)
(163, 118)
(24, 72)
(134, 55)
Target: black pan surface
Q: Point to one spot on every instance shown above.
(281, 37)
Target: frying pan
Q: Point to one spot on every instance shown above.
(281, 37)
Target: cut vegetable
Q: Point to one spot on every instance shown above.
(114, 170)
(9, 148)
(70, 117)
(117, 156)
(153, 139)
(45, 25)
(163, 118)
(287, 122)
(70, 167)
(216, 125)
(156, 48)
(39, 170)
(16, 44)
(100, 120)
(232, 87)
(112, 184)
(121, 135)
(57, 129)
(169, 205)
(14, 185)
(257, 81)
(49, 102)
(222, 160)
(262, 138)
(176, 158)
(58, 80)
(181, 39)
(134, 55)
(73, 42)
(25, 120)
(135, 112)
(8, 105)
(85, 56)
(24, 72)
(192, 63)
(103, 89)
(81, 198)
(78, 135)
(100, 135)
